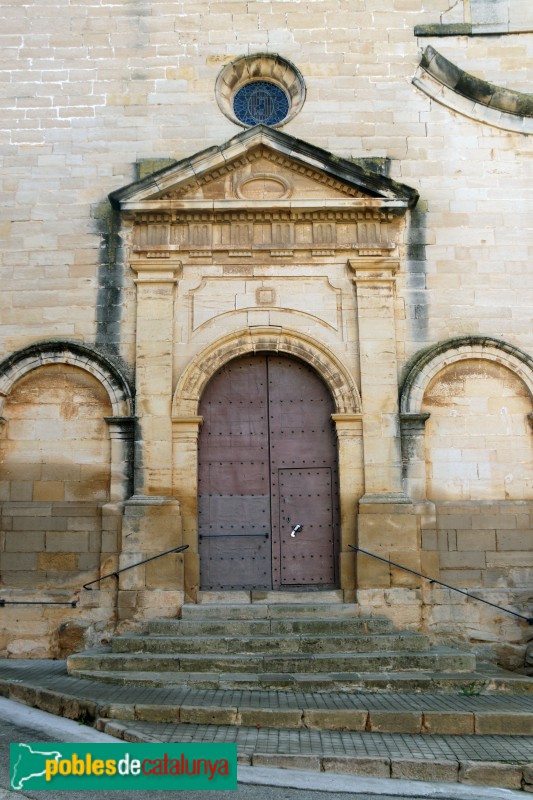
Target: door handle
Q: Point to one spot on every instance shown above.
(297, 528)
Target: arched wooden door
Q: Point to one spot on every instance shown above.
(267, 469)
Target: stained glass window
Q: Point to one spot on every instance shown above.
(260, 103)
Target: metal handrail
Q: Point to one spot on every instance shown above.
(137, 564)
(529, 620)
(71, 603)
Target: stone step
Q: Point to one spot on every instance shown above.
(456, 683)
(360, 682)
(271, 645)
(284, 727)
(265, 627)
(307, 610)
(419, 718)
(271, 597)
(438, 659)
(503, 762)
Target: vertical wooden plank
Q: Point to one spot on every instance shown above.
(304, 476)
(233, 479)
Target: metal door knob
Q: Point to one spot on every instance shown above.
(296, 529)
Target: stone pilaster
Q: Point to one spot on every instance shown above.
(152, 517)
(374, 286)
(185, 431)
(151, 525)
(156, 285)
(413, 428)
(122, 436)
(349, 428)
(387, 522)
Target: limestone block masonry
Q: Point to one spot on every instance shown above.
(379, 234)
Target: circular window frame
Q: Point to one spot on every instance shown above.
(268, 67)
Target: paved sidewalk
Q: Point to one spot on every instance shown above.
(21, 723)
(492, 760)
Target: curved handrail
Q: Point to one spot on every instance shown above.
(529, 620)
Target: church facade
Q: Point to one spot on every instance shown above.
(266, 293)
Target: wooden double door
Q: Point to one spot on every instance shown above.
(268, 509)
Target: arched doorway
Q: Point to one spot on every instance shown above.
(267, 468)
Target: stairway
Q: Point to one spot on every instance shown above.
(301, 681)
(307, 641)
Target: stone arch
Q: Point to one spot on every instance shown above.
(268, 339)
(430, 362)
(64, 352)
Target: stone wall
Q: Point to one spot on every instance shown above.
(485, 544)
(100, 93)
(101, 85)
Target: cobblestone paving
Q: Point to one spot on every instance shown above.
(53, 675)
(515, 750)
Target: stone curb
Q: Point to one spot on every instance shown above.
(484, 773)
(511, 776)
(460, 723)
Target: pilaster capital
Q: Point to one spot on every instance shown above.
(157, 269)
(348, 424)
(121, 427)
(413, 423)
(186, 427)
(374, 270)
(375, 501)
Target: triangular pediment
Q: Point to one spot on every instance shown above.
(266, 167)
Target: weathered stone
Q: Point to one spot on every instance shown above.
(503, 723)
(487, 773)
(456, 723)
(271, 718)
(292, 240)
(358, 765)
(207, 716)
(70, 638)
(339, 719)
(153, 713)
(430, 770)
(286, 761)
(395, 721)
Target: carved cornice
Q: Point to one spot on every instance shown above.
(319, 233)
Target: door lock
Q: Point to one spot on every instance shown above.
(295, 530)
